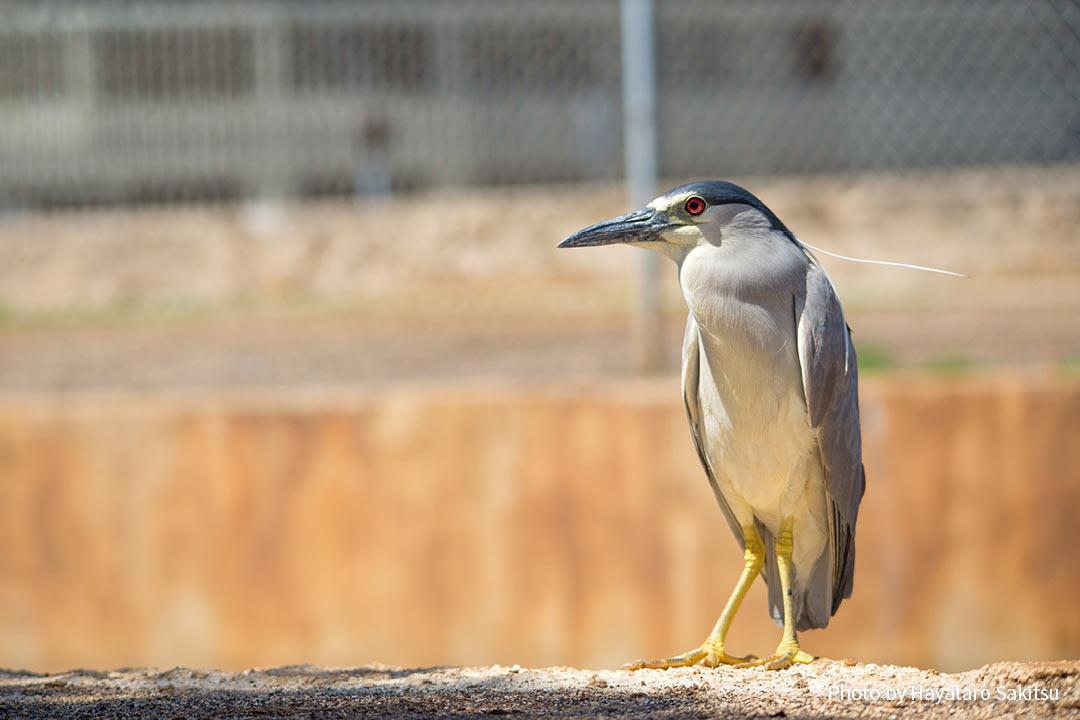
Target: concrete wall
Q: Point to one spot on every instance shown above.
(506, 523)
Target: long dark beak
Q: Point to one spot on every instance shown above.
(638, 226)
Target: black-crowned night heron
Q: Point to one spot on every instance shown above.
(770, 387)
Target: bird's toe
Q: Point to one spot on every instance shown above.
(716, 659)
(706, 655)
(784, 658)
(690, 658)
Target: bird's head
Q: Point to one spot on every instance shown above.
(682, 218)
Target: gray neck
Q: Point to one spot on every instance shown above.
(741, 291)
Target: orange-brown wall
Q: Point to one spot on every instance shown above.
(507, 523)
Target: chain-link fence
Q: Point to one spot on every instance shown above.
(128, 103)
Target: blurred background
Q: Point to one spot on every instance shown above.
(291, 371)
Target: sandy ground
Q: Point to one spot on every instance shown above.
(824, 689)
(342, 350)
(473, 286)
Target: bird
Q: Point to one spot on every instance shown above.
(770, 388)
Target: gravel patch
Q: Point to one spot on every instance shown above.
(823, 689)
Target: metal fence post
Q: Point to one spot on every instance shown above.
(639, 123)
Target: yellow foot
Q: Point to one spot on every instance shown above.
(785, 657)
(708, 655)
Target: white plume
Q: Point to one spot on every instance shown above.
(880, 262)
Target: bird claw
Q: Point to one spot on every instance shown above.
(784, 658)
(705, 655)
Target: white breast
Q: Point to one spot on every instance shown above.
(756, 430)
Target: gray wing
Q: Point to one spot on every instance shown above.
(691, 377)
(831, 386)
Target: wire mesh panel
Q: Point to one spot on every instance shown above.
(154, 102)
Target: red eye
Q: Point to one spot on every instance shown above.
(695, 206)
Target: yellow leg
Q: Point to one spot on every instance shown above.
(711, 653)
(788, 652)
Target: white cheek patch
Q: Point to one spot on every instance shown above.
(683, 235)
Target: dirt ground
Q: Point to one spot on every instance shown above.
(823, 689)
(333, 350)
(472, 285)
